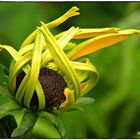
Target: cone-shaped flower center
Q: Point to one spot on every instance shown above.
(52, 84)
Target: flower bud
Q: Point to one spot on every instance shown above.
(53, 85)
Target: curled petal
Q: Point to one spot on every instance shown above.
(69, 94)
(72, 12)
(61, 59)
(16, 67)
(34, 73)
(62, 41)
(89, 76)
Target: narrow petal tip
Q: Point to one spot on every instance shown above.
(74, 9)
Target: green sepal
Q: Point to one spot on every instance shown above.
(26, 125)
(3, 75)
(85, 100)
(6, 108)
(4, 91)
(7, 125)
(75, 108)
(81, 101)
(54, 120)
(60, 127)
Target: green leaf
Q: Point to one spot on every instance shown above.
(7, 125)
(4, 91)
(85, 100)
(76, 108)
(25, 127)
(3, 75)
(54, 120)
(44, 129)
(60, 127)
(81, 101)
(7, 107)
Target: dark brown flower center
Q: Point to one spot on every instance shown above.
(52, 84)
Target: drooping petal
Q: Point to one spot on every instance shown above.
(70, 13)
(91, 32)
(90, 75)
(69, 94)
(87, 33)
(99, 42)
(16, 67)
(34, 73)
(62, 41)
(61, 59)
(11, 51)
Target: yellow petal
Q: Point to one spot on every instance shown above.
(87, 33)
(69, 94)
(70, 13)
(99, 42)
(96, 44)
(16, 67)
(33, 78)
(89, 71)
(61, 59)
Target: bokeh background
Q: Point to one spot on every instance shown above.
(116, 113)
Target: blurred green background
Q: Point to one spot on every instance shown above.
(117, 109)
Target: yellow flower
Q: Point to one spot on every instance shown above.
(42, 49)
(57, 57)
(59, 53)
